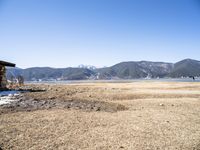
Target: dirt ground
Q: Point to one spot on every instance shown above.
(104, 116)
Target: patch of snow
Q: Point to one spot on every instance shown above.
(6, 97)
(7, 100)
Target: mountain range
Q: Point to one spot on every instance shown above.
(123, 70)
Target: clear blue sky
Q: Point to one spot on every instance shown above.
(62, 33)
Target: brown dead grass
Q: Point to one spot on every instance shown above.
(159, 116)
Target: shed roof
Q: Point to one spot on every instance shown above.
(4, 63)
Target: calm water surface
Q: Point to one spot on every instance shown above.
(114, 81)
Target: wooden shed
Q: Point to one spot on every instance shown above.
(3, 80)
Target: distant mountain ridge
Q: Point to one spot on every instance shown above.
(123, 70)
(186, 67)
(47, 73)
(140, 69)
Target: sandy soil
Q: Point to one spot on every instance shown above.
(101, 116)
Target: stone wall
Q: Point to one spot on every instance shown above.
(3, 80)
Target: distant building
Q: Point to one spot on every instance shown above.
(3, 80)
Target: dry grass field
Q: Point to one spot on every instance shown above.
(122, 116)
